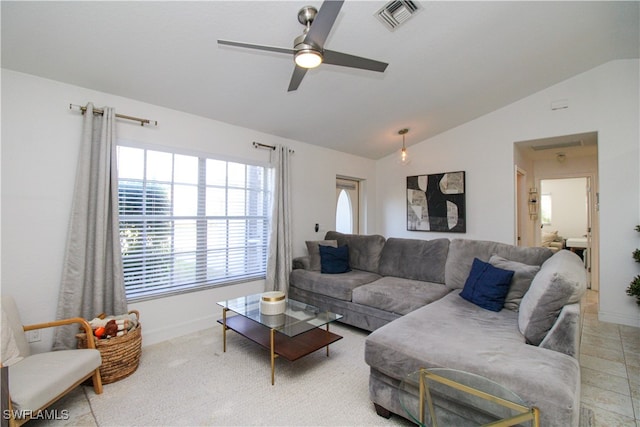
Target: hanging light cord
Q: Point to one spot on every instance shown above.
(403, 152)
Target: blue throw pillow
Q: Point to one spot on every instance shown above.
(487, 286)
(334, 260)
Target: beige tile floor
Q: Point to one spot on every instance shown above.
(610, 365)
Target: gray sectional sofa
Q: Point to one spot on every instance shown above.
(407, 292)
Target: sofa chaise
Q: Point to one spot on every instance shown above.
(407, 292)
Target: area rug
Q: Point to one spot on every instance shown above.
(191, 381)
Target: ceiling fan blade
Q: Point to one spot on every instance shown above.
(296, 78)
(345, 60)
(257, 46)
(323, 22)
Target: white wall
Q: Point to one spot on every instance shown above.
(40, 142)
(606, 100)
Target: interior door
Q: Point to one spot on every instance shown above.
(522, 238)
(589, 251)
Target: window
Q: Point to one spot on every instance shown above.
(344, 223)
(347, 195)
(188, 222)
(545, 209)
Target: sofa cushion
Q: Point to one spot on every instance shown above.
(12, 314)
(523, 274)
(450, 332)
(334, 260)
(364, 250)
(415, 259)
(487, 286)
(9, 348)
(314, 251)
(398, 295)
(457, 334)
(463, 251)
(339, 286)
(561, 280)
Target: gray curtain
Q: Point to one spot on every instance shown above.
(92, 278)
(279, 262)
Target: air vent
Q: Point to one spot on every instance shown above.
(396, 12)
(556, 146)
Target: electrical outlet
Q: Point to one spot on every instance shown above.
(34, 335)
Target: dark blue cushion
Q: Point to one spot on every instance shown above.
(334, 260)
(487, 286)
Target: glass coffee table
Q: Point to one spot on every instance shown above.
(294, 334)
(442, 396)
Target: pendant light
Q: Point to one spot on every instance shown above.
(404, 158)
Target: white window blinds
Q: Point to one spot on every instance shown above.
(188, 222)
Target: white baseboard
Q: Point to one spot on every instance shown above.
(177, 329)
(619, 319)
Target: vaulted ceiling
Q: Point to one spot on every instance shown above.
(449, 63)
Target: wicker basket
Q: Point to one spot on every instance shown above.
(120, 355)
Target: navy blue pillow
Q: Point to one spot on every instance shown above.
(487, 286)
(334, 260)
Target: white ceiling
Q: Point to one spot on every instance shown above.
(450, 63)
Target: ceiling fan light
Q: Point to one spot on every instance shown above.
(308, 58)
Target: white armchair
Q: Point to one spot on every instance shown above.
(35, 381)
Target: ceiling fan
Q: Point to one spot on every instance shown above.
(308, 48)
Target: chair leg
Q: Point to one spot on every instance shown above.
(97, 381)
(12, 419)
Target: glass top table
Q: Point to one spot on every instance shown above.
(293, 334)
(440, 397)
(297, 318)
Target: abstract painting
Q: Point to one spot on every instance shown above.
(436, 202)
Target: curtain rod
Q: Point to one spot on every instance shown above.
(120, 116)
(261, 145)
(270, 147)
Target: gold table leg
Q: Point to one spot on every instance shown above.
(327, 346)
(224, 329)
(536, 416)
(273, 355)
(421, 399)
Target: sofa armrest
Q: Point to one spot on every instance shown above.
(302, 262)
(564, 335)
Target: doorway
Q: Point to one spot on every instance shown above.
(561, 160)
(347, 205)
(565, 216)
